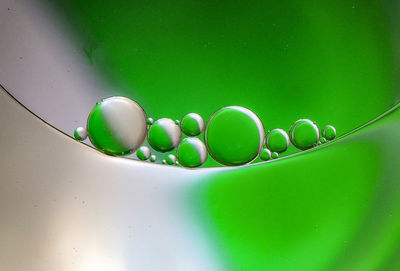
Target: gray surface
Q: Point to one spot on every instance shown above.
(44, 67)
(65, 206)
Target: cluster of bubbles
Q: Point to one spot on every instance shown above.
(233, 135)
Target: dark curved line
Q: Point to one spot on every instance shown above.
(328, 144)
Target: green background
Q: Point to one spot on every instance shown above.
(335, 207)
(329, 61)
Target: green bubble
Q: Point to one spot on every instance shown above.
(323, 140)
(171, 159)
(177, 122)
(164, 135)
(265, 155)
(153, 158)
(277, 140)
(192, 124)
(117, 126)
(80, 133)
(150, 121)
(274, 155)
(234, 136)
(304, 134)
(192, 152)
(143, 153)
(329, 132)
(164, 161)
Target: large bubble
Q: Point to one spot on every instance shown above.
(117, 126)
(234, 136)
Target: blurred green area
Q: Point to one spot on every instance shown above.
(330, 61)
(336, 207)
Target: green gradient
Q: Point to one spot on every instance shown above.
(329, 61)
(336, 207)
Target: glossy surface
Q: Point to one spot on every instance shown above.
(234, 136)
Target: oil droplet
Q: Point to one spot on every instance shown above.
(192, 124)
(304, 134)
(117, 126)
(274, 155)
(277, 140)
(143, 153)
(265, 155)
(164, 135)
(153, 158)
(329, 132)
(150, 121)
(234, 136)
(171, 159)
(192, 152)
(80, 133)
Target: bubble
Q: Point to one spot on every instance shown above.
(80, 133)
(304, 134)
(171, 159)
(274, 155)
(192, 124)
(192, 152)
(329, 132)
(234, 136)
(177, 122)
(153, 158)
(164, 161)
(143, 153)
(117, 126)
(265, 155)
(277, 140)
(164, 135)
(323, 140)
(150, 121)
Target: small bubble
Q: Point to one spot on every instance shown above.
(274, 155)
(304, 134)
(323, 140)
(143, 153)
(329, 132)
(150, 121)
(171, 159)
(164, 161)
(80, 133)
(164, 135)
(192, 152)
(277, 140)
(234, 136)
(153, 158)
(192, 124)
(265, 155)
(177, 122)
